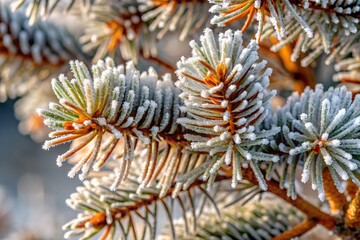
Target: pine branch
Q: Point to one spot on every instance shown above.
(296, 231)
(330, 31)
(127, 108)
(317, 139)
(31, 54)
(255, 221)
(169, 15)
(353, 212)
(116, 210)
(315, 27)
(43, 8)
(336, 200)
(226, 99)
(121, 103)
(114, 28)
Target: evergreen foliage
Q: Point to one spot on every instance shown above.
(253, 221)
(30, 54)
(315, 138)
(226, 99)
(220, 130)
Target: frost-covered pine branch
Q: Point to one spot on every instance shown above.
(213, 133)
(226, 99)
(316, 27)
(124, 213)
(170, 15)
(115, 27)
(43, 8)
(253, 221)
(138, 110)
(320, 129)
(332, 24)
(30, 54)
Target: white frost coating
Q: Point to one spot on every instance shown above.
(101, 121)
(87, 122)
(257, 4)
(224, 103)
(116, 132)
(296, 15)
(237, 139)
(226, 116)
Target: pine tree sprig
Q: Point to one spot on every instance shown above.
(319, 139)
(191, 152)
(271, 12)
(113, 213)
(30, 54)
(137, 111)
(253, 221)
(36, 9)
(116, 28)
(170, 15)
(315, 27)
(226, 99)
(332, 24)
(353, 213)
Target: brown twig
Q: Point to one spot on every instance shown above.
(312, 212)
(99, 219)
(336, 200)
(352, 217)
(303, 76)
(296, 231)
(159, 61)
(351, 189)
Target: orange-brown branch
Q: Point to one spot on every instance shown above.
(297, 231)
(159, 61)
(303, 76)
(312, 212)
(99, 219)
(336, 200)
(351, 189)
(352, 218)
(28, 57)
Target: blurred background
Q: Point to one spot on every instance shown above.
(32, 188)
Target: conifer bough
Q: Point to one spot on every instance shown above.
(134, 108)
(224, 99)
(147, 144)
(31, 54)
(329, 138)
